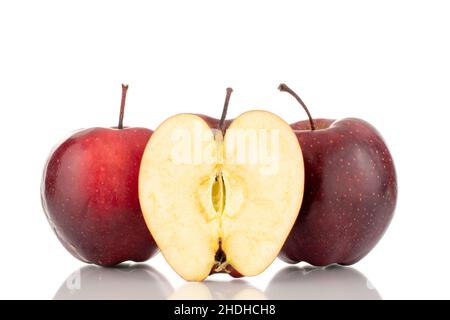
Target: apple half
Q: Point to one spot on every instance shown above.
(221, 200)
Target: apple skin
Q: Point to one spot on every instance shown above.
(350, 193)
(213, 123)
(89, 193)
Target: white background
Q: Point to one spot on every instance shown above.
(388, 62)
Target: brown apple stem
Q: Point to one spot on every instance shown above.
(122, 105)
(225, 110)
(284, 88)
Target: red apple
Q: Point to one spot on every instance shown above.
(90, 194)
(350, 191)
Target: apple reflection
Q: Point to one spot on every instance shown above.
(329, 283)
(132, 282)
(218, 290)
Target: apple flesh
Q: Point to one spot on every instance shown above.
(221, 214)
(90, 195)
(350, 192)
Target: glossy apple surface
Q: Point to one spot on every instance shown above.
(90, 197)
(350, 192)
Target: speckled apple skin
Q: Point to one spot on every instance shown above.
(350, 193)
(90, 195)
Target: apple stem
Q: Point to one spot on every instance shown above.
(122, 105)
(225, 110)
(284, 88)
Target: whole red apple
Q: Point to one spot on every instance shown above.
(350, 191)
(90, 194)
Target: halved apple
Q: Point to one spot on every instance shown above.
(221, 201)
